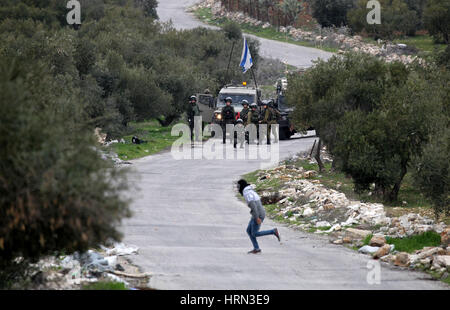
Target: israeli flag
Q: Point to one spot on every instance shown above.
(246, 59)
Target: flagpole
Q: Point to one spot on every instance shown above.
(254, 78)
(229, 61)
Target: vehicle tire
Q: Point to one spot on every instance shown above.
(285, 134)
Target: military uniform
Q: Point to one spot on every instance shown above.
(268, 120)
(228, 117)
(193, 110)
(244, 114)
(253, 118)
(276, 116)
(239, 133)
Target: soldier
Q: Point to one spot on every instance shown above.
(245, 111)
(276, 116)
(253, 118)
(239, 133)
(228, 116)
(193, 110)
(267, 119)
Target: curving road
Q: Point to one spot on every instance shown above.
(295, 55)
(190, 226)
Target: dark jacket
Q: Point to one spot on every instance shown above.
(228, 114)
(244, 114)
(253, 117)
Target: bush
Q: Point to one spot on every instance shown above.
(432, 173)
(374, 117)
(396, 19)
(56, 193)
(432, 170)
(123, 65)
(331, 12)
(377, 147)
(437, 20)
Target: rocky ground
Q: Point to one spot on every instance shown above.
(339, 38)
(74, 272)
(296, 196)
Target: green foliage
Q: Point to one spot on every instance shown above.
(374, 117)
(55, 190)
(101, 286)
(367, 239)
(149, 7)
(437, 20)
(232, 31)
(291, 9)
(331, 12)
(432, 170)
(417, 242)
(123, 64)
(396, 19)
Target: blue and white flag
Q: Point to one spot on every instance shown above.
(246, 59)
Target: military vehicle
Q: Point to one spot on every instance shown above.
(286, 128)
(238, 94)
(207, 106)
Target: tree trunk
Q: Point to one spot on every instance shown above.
(393, 194)
(317, 156)
(333, 165)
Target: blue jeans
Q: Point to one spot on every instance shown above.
(253, 232)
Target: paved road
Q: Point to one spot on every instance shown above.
(294, 55)
(190, 226)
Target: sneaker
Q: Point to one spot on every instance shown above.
(277, 234)
(254, 251)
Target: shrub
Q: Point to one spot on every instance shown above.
(56, 193)
(331, 12)
(396, 18)
(437, 20)
(374, 117)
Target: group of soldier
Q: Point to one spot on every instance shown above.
(250, 114)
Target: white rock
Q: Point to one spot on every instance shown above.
(367, 249)
(442, 260)
(308, 212)
(323, 224)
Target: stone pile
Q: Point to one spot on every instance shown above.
(72, 271)
(339, 38)
(301, 198)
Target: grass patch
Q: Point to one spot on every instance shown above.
(103, 286)
(424, 43)
(158, 139)
(339, 181)
(205, 15)
(367, 239)
(325, 228)
(413, 243)
(251, 177)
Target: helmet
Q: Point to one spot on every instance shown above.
(193, 98)
(253, 105)
(265, 102)
(228, 99)
(240, 121)
(244, 102)
(207, 91)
